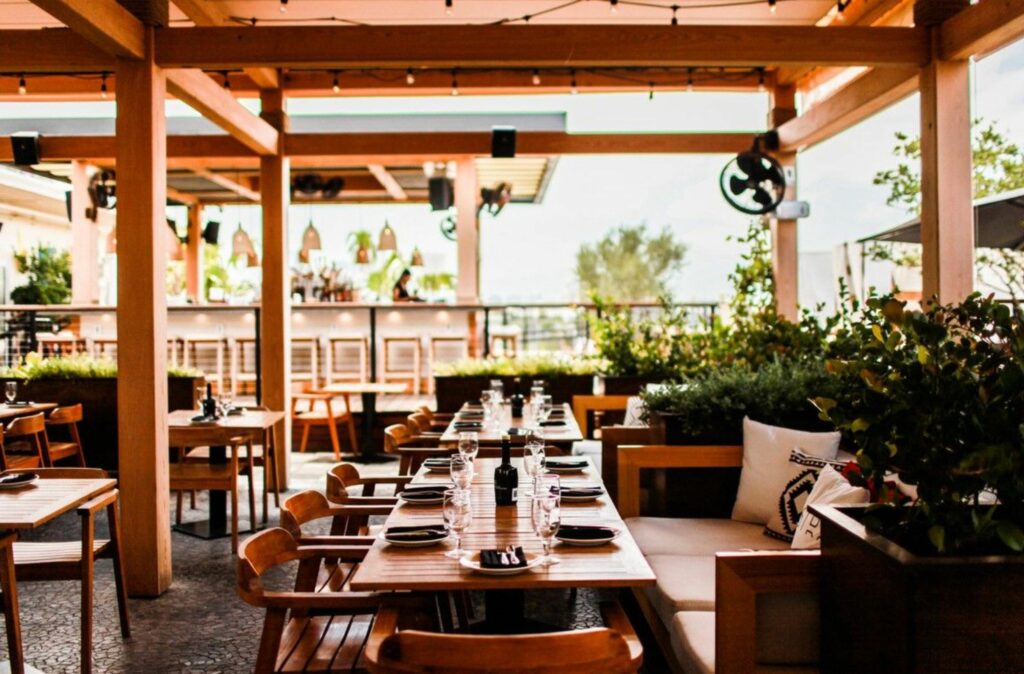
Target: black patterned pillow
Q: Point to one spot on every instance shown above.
(804, 471)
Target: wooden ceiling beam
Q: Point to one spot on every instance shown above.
(980, 29)
(104, 23)
(388, 182)
(182, 197)
(228, 184)
(195, 88)
(858, 100)
(537, 46)
(205, 13)
(54, 50)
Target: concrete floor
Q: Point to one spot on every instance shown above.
(200, 624)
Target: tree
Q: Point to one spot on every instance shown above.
(49, 276)
(998, 167)
(629, 264)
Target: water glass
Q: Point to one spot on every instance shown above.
(469, 445)
(498, 388)
(458, 515)
(546, 406)
(462, 471)
(547, 484)
(224, 401)
(533, 453)
(11, 391)
(546, 514)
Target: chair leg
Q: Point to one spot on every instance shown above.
(270, 641)
(305, 437)
(332, 429)
(192, 499)
(352, 434)
(12, 617)
(234, 518)
(252, 489)
(88, 564)
(117, 553)
(178, 508)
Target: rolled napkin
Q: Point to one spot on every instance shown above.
(585, 532)
(492, 559)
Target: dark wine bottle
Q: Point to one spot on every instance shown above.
(506, 477)
(516, 401)
(209, 404)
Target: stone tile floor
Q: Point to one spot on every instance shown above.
(199, 625)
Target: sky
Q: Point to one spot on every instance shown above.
(528, 251)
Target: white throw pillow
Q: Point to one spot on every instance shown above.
(799, 484)
(830, 489)
(766, 465)
(634, 412)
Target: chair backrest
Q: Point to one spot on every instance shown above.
(427, 412)
(31, 425)
(395, 436)
(576, 652)
(256, 555)
(70, 473)
(70, 414)
(301, 508)
(418, 423)
(339, 478)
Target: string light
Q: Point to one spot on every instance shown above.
(650, 91)
(572, 84)
(455, 84)
(689, 80)
(22, 86)
(614, 4)
(335, 86)
(227, 82)
(448, 7)
(103, 87)
(410, 79)
(675, 11)
(760, 80)
(284, 6)
(536, 78)
(840, 8)
(771, 6)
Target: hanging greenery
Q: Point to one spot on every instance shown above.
(49, 276)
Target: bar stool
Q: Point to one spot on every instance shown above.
(60, 344)
(504, 341)
(66, 418)
(305, 359)
(104, 348)
(403, 360)
(444, 349)
(243, 363)
(346, 358)
(196, 351)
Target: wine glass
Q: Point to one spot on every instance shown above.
(11, 391)
(533, 453)
(462, 471)
(224, 400)
(547, 484)
(458, 514)
(469, 445)
(546, 407)
(498, 387)
(546, 513)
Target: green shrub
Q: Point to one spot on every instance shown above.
(77, 366)
(532, 365)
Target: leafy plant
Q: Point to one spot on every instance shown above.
(937, 397)
(435, 282)
(711, 406)
(78, 366)
(49, 276)
(629, 264)
(533, 365)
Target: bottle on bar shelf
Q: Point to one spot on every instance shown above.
(506, 477)
(517, 400)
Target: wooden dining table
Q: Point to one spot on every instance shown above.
(8, 412)
(618, 564)
(254, 424)
(560, 435)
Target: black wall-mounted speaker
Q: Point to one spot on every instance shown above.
(211, 231)
(441, 193)
(503, 141)
(25, 147)
(68, 205)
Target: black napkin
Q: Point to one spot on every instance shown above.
(468, 425)
(235, 411)
(565, 463)
(17, 478)
(412, 534)
(552, 423)
(20, 403)
(581, 491)
(423, 495)
(491, 559)
(419, 488)
(202, 418)
(584, 532)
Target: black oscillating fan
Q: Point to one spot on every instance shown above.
(753, 182)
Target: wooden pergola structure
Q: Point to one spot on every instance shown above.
(840, 61)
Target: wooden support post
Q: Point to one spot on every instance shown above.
(194, 276)
(85, 261)
(275, 314)
(142, 323)
(467, 231)
(947, 216)
(785, 255)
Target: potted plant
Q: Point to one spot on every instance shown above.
(461, 381)
(936, 584)
(68, 380)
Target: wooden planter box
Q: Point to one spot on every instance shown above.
(99, 408)
(886, 608)
(452, 392)
(627, 385)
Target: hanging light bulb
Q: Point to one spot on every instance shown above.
(22, 86)
(573, 89)
(448, 7)
(455, 84)
(410, 78)
(103, 87)
(362, 254)
(536, 78)
(689, 80)
(417, 258)
(760, 80)
(284, 6)
(675, 17)
(241, 244)
(771, 6)
(650, 91)
(613, 5)
(227, 82)
(310, 238)
(335, 87)
(387, 238)
(840, 8)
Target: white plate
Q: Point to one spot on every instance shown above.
(472, 562)
(554, 468)
(591, 543)
(411, 544)
(422, 501)
(446, 468)
(18, 485)
(581, 499)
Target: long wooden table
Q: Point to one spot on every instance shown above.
(183, 433)
(560, 436)
(617, 564)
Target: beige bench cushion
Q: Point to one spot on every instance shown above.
(692, 635)
(685, 583)
(698, 537)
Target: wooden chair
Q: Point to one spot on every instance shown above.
(311, 416)
(398, 438)
(614, 649)
(347, 359)
(420, 426)
(74, 560)
(305, 630)
(347, 520)
(9, 595)
(30, 433)
(194, 476)
(439, 420)
(67, 418)
(343, 476)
